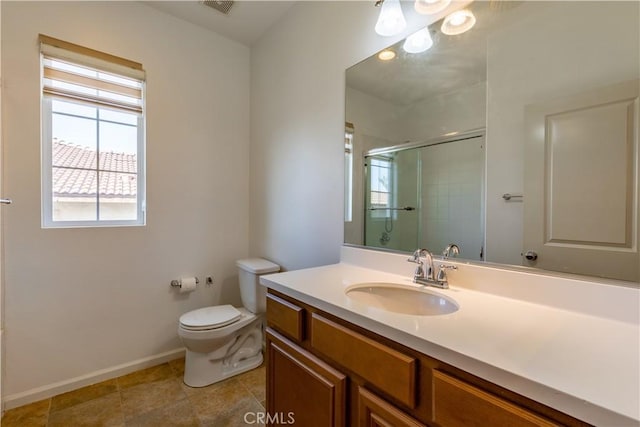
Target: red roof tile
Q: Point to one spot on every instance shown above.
(74, 172)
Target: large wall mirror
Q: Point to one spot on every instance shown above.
(516, 140)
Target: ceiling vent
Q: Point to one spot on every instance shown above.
(220, 6)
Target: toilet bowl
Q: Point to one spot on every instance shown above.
(223, 341)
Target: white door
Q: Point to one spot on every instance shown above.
(581, 183)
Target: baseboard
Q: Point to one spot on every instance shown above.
(50, 390)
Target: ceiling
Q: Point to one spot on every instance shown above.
(246, 22)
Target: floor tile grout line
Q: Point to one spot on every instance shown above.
(245, 381)
(249, 389)
(49, 410)
(119, 390)
(195, 412)
(179, 375)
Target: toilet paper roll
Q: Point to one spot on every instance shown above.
(187, 284)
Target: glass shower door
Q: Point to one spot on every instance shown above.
(452, 197)
(391, 200)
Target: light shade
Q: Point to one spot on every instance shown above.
(418, 41)
(391, 20)
(430, 7)
(458, 22)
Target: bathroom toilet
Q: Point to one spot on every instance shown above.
(222, 340)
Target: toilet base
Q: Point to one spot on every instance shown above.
(199, 378)
(242, 353)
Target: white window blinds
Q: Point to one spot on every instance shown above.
(81, 74)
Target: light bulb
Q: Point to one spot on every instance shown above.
(457, 19)
(391, 20)
(458, 22)
(418, 41)
(431, 7)
(386, 55)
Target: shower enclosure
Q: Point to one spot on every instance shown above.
(427, 195)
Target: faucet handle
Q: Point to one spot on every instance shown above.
(442, 271)
(415, 257)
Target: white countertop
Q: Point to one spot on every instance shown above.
(582, 364)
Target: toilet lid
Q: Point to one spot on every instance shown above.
(210, 317)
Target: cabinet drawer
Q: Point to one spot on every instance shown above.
(381, 366)
(374, 411)
(285, 317)
(456, 403)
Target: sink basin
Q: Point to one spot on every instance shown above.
(403, 299)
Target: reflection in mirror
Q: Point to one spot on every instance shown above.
(517, 140)
(426, 195)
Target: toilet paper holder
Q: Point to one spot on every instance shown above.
(177, 284)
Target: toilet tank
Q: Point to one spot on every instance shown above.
(254, 296)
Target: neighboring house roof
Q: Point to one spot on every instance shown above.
(74, 172)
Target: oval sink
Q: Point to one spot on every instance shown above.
(403, 299)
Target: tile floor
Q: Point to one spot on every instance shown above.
(154, 397)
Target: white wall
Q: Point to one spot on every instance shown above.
(83, 300)
(456, 111)
(374, 117)
(459, 110)
(297, 127)
(556, 56)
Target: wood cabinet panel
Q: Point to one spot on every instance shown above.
(375, 412)
(286, 317)
(382, 366)
(302, 387)
(458, 404)
(315, 346)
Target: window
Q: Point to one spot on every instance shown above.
(93, 140)
(348, 172)
(380, 176)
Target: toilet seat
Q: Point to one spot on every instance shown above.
(207, 318)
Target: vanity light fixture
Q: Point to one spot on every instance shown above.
(458, 22)
(391, 20)
(431, 7)
(419, 41)
(386, 55)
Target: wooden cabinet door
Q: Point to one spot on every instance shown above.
(376, 412)
(301, 387)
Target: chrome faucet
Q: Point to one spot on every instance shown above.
(451, 250)
(424, 273)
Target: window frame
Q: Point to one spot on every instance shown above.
(348, 172)
(382, 211)
(46, 167)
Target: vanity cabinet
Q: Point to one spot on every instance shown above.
(374, 411)
(329, 372)
(457, 403)
(302, 387)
